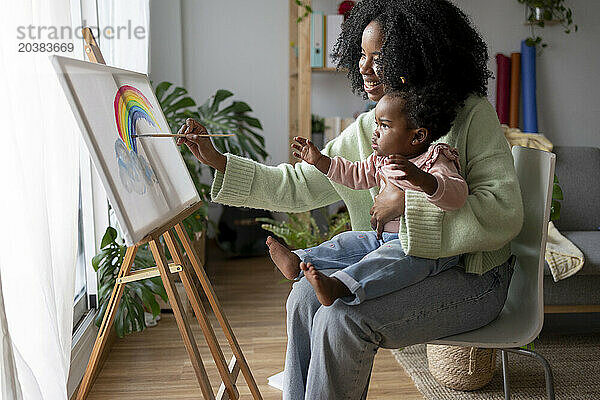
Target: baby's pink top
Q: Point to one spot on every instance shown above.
(440, 160)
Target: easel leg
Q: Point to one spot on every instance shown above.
(214, 302)
(182, 323)
(105, 327)
(201, 316)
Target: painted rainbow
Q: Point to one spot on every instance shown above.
(130, 106)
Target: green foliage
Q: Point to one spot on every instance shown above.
(136, 295)
(317, 124)
(307, 10)
(557, 195)
(301, 230)
(551, 10)
(217, 117)
(232, 118)
(176, 104)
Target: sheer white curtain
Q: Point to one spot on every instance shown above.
(38, 207)
(131, 49)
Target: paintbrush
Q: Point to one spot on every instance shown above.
(175, 135)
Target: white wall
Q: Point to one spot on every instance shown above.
(166, 52)
(243, 46)
(567, 70)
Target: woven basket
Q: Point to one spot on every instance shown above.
(461, 368)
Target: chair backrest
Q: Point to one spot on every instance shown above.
(522, 317)
(535, 171)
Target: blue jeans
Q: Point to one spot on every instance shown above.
(370, 267)
(330, 350)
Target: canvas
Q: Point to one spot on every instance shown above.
(146, 180)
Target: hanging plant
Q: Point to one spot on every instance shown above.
(543, 12)
(307, 10)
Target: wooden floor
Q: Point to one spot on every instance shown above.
(154, 364)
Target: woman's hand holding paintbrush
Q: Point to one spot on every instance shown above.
(197, 140)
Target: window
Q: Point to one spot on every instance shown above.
(80, 307)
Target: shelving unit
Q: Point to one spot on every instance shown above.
(300, 74)
(301, 81)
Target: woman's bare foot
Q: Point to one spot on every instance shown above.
(287, 262)
(326, 288)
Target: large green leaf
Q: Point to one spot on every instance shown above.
(221, 95)
(180, 104)
(120, 320)
(109, 236)
(161, 88)
(101, 312)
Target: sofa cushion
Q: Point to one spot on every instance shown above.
(575, 290)
(577, 169)
(589, 244)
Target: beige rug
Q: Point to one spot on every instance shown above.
(575, 362)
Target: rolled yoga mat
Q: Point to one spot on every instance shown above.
(502, 87)
(528, 88)
(515, 89)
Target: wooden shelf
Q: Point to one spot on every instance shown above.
(300, 71)
(326, 70)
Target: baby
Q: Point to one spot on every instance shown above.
(404, 155)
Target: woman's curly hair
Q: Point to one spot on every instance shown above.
(429, 42)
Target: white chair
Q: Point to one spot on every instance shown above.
(522, 317)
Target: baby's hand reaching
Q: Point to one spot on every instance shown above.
(306, 150)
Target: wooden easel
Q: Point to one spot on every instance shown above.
(174, 228)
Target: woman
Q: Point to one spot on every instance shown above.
(394, 44)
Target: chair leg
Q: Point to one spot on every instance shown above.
(505, 375)
(545, 364)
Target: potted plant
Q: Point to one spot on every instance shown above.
(546, 12)
(216, 116)
(137, 297)
(301, 230)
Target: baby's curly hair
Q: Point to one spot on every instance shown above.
(428, 42)
(427, 107)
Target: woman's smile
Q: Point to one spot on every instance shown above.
(371, 85)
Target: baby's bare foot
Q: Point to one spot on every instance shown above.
(285, 260)
(326, 288)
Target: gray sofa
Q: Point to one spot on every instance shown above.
(578, 172)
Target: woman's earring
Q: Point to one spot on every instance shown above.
(403, 79)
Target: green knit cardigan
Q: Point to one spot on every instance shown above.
(481, 230)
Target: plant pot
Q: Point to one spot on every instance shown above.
(199, 245)
(461, 368)
(187, 306)
(240, 235)
(541, 16)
